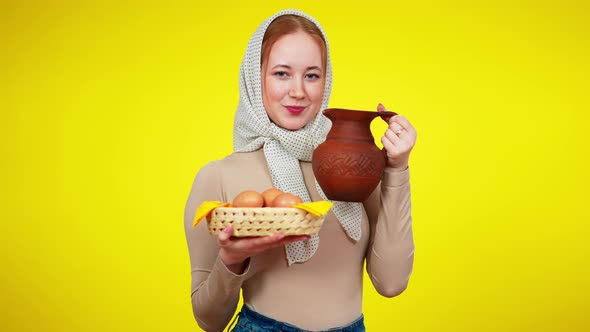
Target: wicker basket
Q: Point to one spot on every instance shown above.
(264, 221)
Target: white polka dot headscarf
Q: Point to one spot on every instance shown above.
(284, 148)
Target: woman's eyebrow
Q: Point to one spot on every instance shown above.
(289, 67)
(283, 66)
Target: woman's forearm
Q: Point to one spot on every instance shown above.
(391, 253)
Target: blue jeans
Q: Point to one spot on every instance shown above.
(251, 321)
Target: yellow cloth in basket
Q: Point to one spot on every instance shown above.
(318, 208)
(206, 208)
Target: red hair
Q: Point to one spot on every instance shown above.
(287, 24)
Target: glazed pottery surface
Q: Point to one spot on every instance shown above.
(348, 165)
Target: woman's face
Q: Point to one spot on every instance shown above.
(293, 80)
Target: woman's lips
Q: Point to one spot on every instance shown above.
(295, 109)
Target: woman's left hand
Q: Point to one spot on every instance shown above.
(398, 141)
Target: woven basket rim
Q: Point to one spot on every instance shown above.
(232, 208)
(265, 221)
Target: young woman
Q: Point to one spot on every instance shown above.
(294, 283)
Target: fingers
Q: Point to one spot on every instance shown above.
(396, 141)
(397, 129)
(238, 249)
(274, 240)
(393, 137)
(224, 237)
(402, 122)
(264, 242)
(255, 244)
(392, 148)
(294, 238)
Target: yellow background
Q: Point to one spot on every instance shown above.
(108, 111)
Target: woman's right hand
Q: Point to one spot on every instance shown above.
(234, 251)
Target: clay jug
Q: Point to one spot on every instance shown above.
(348, 165)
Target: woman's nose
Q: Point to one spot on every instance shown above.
(296, 89)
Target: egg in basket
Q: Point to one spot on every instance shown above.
(259, 214)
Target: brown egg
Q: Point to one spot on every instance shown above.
(269, 195)
(248, 198)
(286, 200)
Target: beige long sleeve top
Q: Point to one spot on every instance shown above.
(329, 283)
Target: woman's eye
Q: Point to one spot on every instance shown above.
(312, 76)
(280, 74)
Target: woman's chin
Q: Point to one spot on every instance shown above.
(293, 128)
(291, 125)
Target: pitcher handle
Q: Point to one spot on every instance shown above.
(387, 115)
